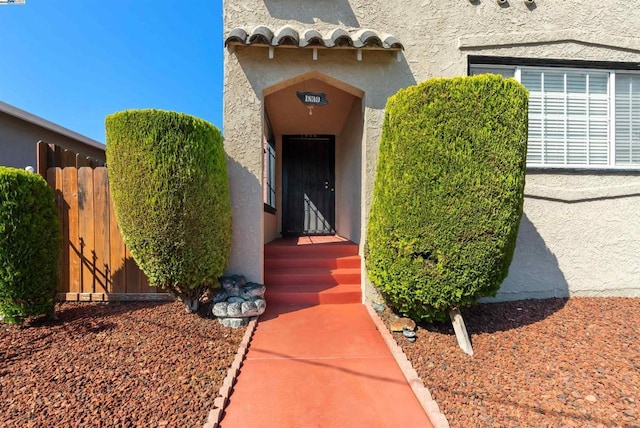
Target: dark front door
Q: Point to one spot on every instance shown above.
(308, 185)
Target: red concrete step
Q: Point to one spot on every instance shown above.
(277, 263)
(310, 251)
(286, 277)
(312, 271)
(314, 294)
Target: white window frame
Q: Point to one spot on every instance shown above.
(611, 155)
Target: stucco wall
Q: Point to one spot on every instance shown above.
(349, 175)
(248, 73)
(579, 236)
(569, 243)
(18, 142)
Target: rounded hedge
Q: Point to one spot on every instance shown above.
(448, 193)
(169, 185)
(29, 246)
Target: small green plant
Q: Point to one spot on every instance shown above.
(448, 193)
(169, 185)
(29, 246)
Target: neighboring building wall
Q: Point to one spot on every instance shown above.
(18, 141)
(580, 233)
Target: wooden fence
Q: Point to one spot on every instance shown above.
(94, 264)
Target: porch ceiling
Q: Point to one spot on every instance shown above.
(288, 116)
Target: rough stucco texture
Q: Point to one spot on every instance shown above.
(579, 235)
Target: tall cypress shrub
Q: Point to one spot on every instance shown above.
(448, 193)
(169, 186)
(29, 246)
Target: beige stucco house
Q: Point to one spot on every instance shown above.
(20, 132)
(306, 84)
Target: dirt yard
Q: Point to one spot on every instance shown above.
(117, 364)
(537, 363)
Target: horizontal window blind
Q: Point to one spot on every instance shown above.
(627, 114)
(572, 113)
(568, 117)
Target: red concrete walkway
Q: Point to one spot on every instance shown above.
(316, 358)
(321, 366)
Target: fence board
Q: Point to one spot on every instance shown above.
(54, 179)
(144, 284)
(70, 193)
(81, 160)
(68, 158)
(86, 229)
(41, 159)
(117, 254)
(132, 273)
(101, 217)
(95, 264)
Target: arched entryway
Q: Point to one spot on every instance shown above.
(313, 132)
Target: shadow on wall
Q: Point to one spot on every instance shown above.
(329, 11)
(534, 276)
(246, 212)
(396, 76)
(534, 272)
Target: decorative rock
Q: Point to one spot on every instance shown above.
(232, 284)
(238, 300)
(411, 339)
(220, 309)
(378, 307)
(409, 333)
(401, 324)
(253, 291)
(234, 322)
(221, 296)
(234, 309)
(248, 306)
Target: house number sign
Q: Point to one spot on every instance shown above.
(313, 98)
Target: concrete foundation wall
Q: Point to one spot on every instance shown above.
(580, 232)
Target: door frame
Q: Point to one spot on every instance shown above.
(332, 200)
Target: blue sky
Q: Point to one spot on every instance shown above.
(73, 62)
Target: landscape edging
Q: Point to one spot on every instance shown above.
(222, 399)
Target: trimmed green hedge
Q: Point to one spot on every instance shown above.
(29, 246)
(448, 193)
(169, 186)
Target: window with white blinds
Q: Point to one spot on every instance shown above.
(579, 117)
(627, 119)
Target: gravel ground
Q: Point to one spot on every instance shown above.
(116, 364)
(537, 363)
